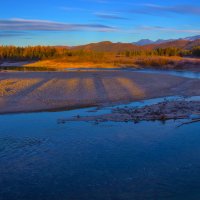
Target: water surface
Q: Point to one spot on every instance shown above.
(41, 159)
(180, 73)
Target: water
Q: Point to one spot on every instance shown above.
(180, 73)
(41, 159)
(15, 68)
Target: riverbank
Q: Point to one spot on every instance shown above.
(42, 91)
(156, 62)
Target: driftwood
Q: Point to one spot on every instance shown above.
(190, 122)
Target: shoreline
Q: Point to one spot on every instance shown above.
(85, 106)
(177, 63)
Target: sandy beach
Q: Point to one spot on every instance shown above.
(40, 91)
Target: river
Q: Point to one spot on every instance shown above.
(43, 159)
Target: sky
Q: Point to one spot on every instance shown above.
(76, 22)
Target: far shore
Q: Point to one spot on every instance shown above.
(175, 63)
(43, 91)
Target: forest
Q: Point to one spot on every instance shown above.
(48, 52)
(50, 56)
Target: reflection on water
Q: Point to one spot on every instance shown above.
(23, 68)
(181, 73)
(40, 159)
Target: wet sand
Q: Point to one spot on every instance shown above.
(39, 91)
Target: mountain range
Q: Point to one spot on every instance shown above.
(146, 44)
(160, 41)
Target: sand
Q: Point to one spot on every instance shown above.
(40, 91)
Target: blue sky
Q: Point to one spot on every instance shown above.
(74, 22)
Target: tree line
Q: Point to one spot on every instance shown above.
(48, 52)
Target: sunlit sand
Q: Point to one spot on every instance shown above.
(36, 91)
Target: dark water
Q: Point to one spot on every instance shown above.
(180, 73)
(15, 68)
(43, 160)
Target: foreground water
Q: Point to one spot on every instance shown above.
(41, 159)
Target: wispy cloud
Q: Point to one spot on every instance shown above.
(166, 29)
(12, 33)
(154, 9)
(104, 15)
(44, 25)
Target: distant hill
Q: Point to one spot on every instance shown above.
(192, 44)
(176, 43)
(193, 38)
(108, 46)
(147, 42)
(144, 42)
(182, 44)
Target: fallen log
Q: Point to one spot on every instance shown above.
(190, 122)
